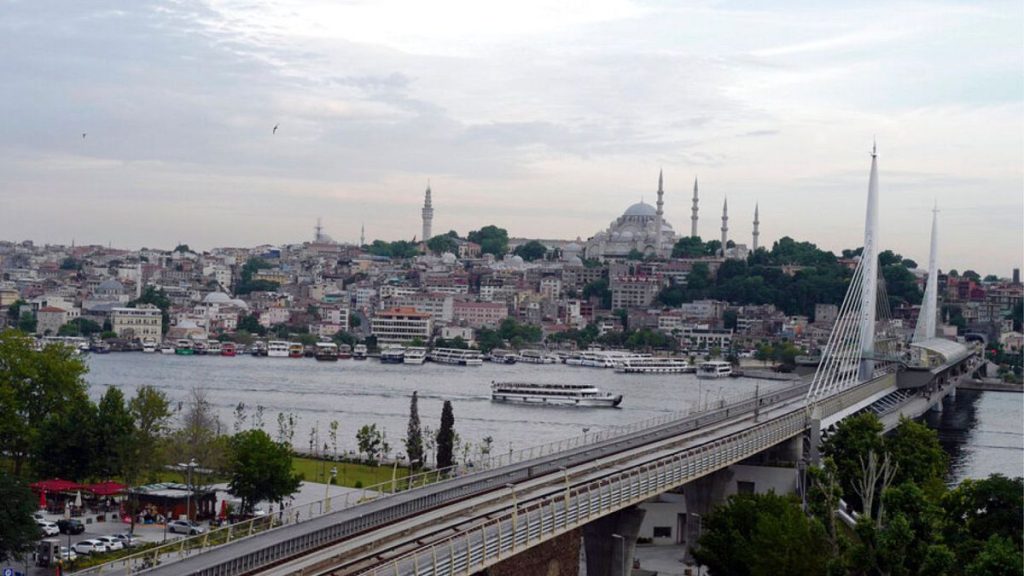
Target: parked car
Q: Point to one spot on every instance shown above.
(68, 554)
(184, 527)
(89, 547)
(48, 528)
(38, 516)
(126, 539)
(111, 543)
(71, 526)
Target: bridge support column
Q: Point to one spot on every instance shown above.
(814, 439)
(701, 496)
(611, 541)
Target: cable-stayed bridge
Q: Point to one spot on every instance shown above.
(514, 513)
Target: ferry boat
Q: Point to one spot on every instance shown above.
(650, 365)
(259, 348)
(277, 349)
(183, 347)
(359, 352)
(214, 347)
(536, 357)
(714, 369)
(149, 346)
(415, 355)
(553, 394)
(326, 351)
(228, 349)
(392, 354)
(605, 358)
(344, 352)
(167, 349)
(295, 350)
(199, 347)
(499, 356)
(456, 356)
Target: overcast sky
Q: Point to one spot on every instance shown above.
(545, 118)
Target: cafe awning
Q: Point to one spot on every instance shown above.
(55, 485)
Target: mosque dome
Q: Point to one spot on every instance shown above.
(641, 209)
(448, 258)
(217, 298)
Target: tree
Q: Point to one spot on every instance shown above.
(971, 275)
(150, 413)
(532, 250)
(978, 510)
(182, 248)
(80, 327)
(200, 434)
(443, 243)
(251, 324)
(370, 442)
(261, 469)
(115, 429)
(492, 240)
(247, 285)
(446, 437)
(688, 247)
(998, 557)
(990, 279)
(635, 254)
(65, 442)
(599, 289)
(18, 530)
(921, 458)
(70, 263)
(156, 297)
(848, 446)
(27, 323)
(414, 435)
(761, 534)
(34, 385)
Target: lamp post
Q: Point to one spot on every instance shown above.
(585, 430)
(394, 473)
(412, 464)
(622, 551)
(188, 499)
(327, 488)
(67, 516)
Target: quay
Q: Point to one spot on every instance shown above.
(990, 385)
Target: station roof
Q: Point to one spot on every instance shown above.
(952, 351)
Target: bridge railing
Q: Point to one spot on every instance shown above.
(192, 545)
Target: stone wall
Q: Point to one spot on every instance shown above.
(557, 557)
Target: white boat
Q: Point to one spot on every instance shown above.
(326, 352)
(213, 347)
(277, 349)
(167, 349)
(536, 357)
(456, 356)
(553, 394)
(415, 355)
(359, 352)
(651, 365)
(714, 369)
(149, 346)
(606, 358)
(392, 354)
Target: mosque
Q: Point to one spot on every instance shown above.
(643, 228)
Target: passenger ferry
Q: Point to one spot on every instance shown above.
(415, 355)
(456, 356)
(605, 358)
(392, 354)
(277, 349)
(149, 346)
(503, 356)
(167, 349)
(344, 352)
(259, 348)
(295, 350)
(650, 365)
(714, 369)
(553, 394)
(536, 357)
(228, 349)
(214, 347)
(326, 351)
(183, 347)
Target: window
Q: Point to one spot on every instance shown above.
(744, 487)
(662, 531)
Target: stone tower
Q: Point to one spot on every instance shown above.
(428, 215)
(757, 222)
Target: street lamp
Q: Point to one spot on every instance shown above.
(622, 551)
(585, 430)
(327, 487)
(412, 465)
(394, 473)
(188, 499)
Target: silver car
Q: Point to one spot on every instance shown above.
(90, 547)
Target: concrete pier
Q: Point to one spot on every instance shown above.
(610, 542)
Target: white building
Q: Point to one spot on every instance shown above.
(641, 227)
(401, 326)
(137, 323)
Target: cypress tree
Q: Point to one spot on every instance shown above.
(446, 436)
(414, 435)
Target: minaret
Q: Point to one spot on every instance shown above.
(319, 231)
(362, 235)
(693, 217)
(929, 307)
(725, 225)
(428, 215)
(756, 223)
(869, 271)
(660, 216)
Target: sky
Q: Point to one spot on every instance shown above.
(546, 118)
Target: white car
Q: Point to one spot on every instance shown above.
(48, 528)
(111, 542)
(68, 554)
(89, 547)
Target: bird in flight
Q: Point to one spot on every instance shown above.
(275, 128)
(83, 134)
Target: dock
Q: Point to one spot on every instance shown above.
(990, 385)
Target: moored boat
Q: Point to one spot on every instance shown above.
(183, 347)
(415, 355)
(456, 356)
(553, 394)
(167, 349)
(714, 369)
(392, 354)
(149, 346)
(651, 365)
(359, 352)
(214, 347)
(537, 357)
(295, 350)
(228, 349)
(277, 349)
(344, 352)
(326, 352)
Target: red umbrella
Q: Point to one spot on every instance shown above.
(42, 498)
(223, 509)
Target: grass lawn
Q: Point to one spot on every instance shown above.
(348, 473)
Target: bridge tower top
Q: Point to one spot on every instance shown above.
(926, 319)
(869, 261)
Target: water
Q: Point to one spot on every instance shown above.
(363, 392)
(982, 433)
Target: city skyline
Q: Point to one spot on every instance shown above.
(216, 125)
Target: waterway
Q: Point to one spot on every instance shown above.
(355, 393)
(981, 431)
